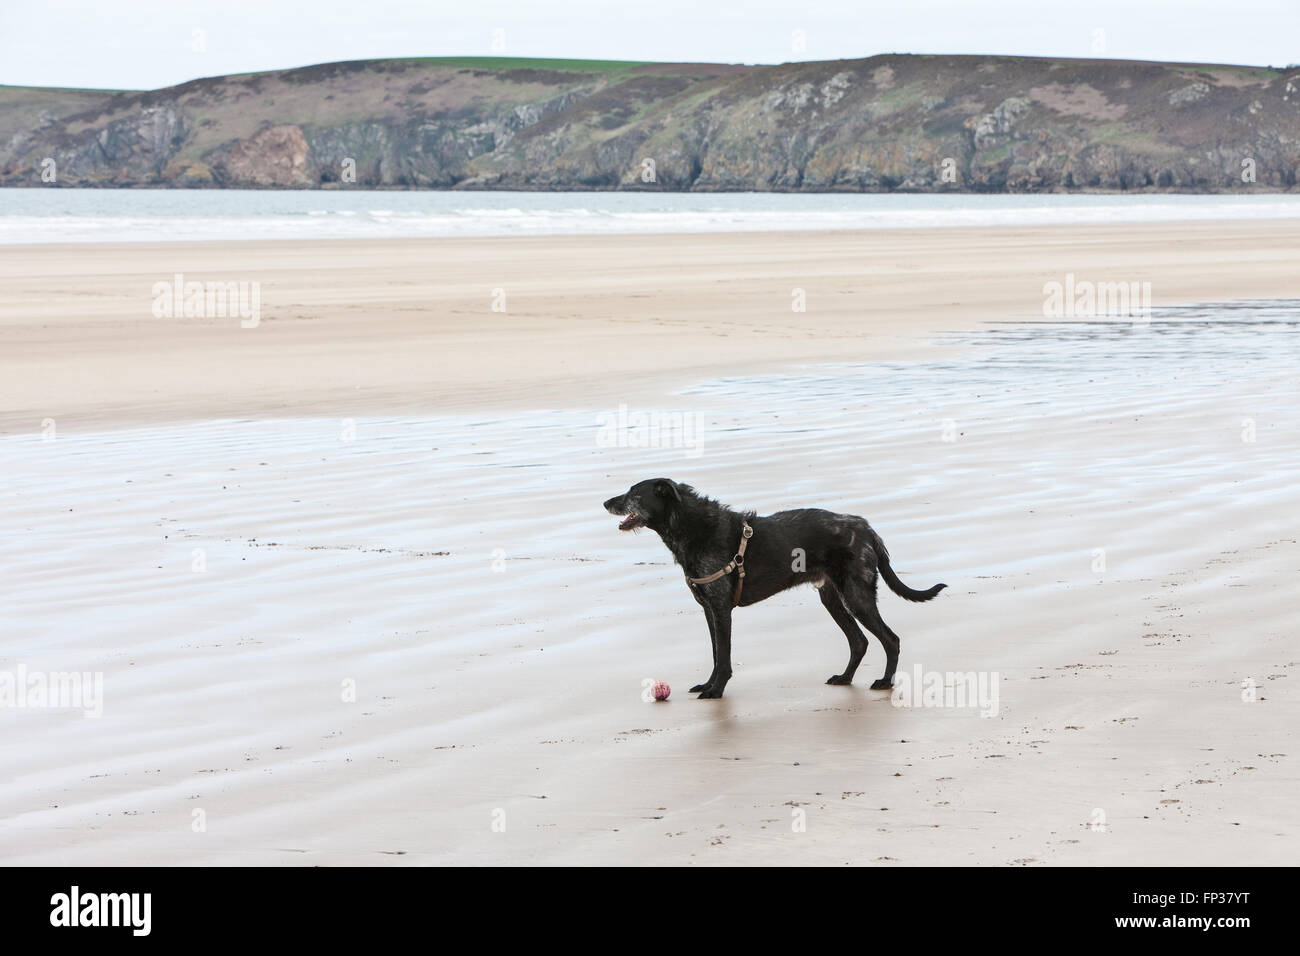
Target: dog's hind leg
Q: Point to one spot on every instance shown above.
(861, 600)
(857, 640)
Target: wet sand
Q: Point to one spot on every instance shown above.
(398, 629)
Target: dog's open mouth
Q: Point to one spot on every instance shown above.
(631, 523)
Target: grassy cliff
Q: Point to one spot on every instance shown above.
(896, 122)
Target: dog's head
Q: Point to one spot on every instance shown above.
(647, 504)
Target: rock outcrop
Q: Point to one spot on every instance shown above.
(273, 156)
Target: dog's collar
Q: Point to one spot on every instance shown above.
(736, 563)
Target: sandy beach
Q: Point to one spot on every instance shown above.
(408, 325)
(353, 598)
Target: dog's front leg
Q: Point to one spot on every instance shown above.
(720, 621)
(713, 640)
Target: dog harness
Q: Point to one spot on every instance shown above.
(736, 563)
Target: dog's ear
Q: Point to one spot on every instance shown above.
(665, 488)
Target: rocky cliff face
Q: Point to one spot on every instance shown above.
(886, 123)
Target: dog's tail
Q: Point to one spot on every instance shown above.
(895, 585)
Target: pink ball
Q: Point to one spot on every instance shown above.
(661, 690)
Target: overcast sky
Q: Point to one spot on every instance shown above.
(146, 44)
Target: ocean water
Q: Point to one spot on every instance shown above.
(151, 215)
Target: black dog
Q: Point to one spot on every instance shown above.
(839, 554)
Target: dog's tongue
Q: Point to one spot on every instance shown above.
(627, 523)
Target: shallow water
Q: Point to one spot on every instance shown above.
(1197, 396)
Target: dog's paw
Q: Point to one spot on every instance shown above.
(708, 693)
(697, 688)
(883, 684)
(839, 679)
